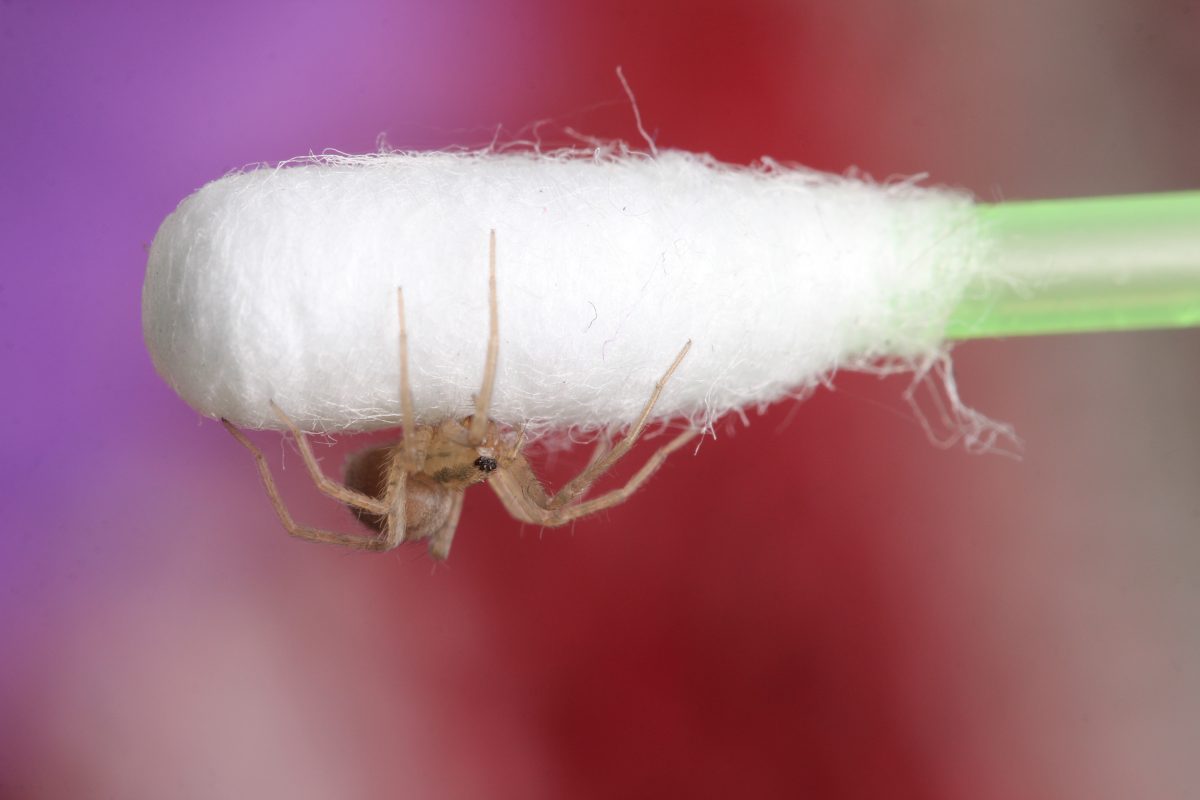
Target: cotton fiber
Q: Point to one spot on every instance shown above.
(279, 283)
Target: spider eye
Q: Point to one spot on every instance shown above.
(486, 463)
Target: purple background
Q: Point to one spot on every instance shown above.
(819, 603)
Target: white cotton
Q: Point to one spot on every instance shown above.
(280, 284)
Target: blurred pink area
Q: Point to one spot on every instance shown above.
(820, 604)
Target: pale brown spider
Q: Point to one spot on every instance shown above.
(414, 489)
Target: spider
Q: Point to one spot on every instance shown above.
(413, 489)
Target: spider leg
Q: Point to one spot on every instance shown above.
(395, 500)
(337, 491)
(439, 543)
(285, 517)
(522, 495)
(483, 400)
(395, 495)
(408, 417)
(603, 446)
(580, 484)
(512, 486)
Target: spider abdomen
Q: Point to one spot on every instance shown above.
(428, 503)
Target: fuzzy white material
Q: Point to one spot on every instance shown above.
(280, 283)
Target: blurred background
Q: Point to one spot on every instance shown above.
(819, 604)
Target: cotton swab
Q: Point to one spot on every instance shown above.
(277, 284)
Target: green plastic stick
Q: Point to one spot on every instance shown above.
(1092, 264)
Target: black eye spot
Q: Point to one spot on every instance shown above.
(486, 463)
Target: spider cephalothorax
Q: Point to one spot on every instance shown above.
(414, 489)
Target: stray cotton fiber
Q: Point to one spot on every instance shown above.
(280, 284)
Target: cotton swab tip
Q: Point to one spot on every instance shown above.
(279, 284)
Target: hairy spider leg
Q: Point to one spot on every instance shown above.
(580, 484)
(513, 485)
(439, 543)
(521, 493)
(392, 506)
(305, 532)
(483, 400)
(327, 486)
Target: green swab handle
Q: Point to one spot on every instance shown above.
(1093, 264)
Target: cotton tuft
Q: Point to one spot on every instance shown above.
(279, 283)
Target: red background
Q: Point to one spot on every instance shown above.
(820, 603)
